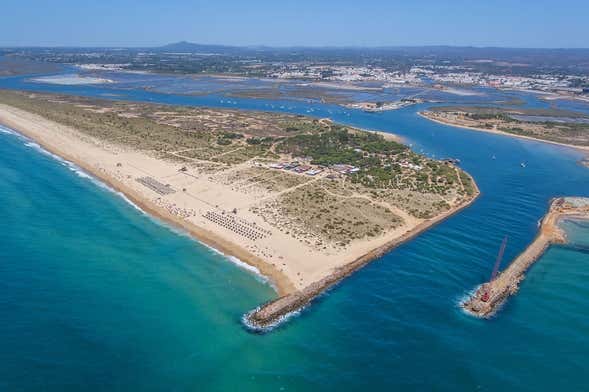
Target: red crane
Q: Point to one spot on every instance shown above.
(487, 286)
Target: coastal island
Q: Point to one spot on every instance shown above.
(304, 200)
(488, 297)
(547, 125)
(373, 107)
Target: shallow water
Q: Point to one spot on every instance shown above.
(95, 294)
(569, 120)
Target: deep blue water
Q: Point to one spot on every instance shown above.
(95, 295)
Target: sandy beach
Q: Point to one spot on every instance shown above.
(102, 163)
(273, 312)
(200, 204)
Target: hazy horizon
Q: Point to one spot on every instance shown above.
(309, 46)
(133, 23)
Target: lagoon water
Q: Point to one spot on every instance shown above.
(96, 295)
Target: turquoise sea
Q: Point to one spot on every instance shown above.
(96, 295)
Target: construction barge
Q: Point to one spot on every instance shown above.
(488, 297)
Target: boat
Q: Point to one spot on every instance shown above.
(454, 161)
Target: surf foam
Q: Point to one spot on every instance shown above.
(83, 174)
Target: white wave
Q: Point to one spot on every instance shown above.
(80, 172)
(464, 297)
(281, 320)
(232, 259)
(285, 317)
(467, 295)
(12, 132)
(7, 131)
(461, 300)
(83, 174)
(43, 151)
(130, 202)
(243, 265)
(250, 268)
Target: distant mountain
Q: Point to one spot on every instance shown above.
(189, 47)
(504, 57)
(463, 51)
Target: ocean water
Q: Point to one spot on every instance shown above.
(96, 295)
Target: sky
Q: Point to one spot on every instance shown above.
(505, 23)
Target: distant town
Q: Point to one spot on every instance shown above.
(552, 71)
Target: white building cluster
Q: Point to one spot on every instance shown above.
(418, 75)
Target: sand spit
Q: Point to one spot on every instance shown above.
(73, 151)
(489, 297)
(276, 311)
(497, 132)
(71, 80)
(219, 211)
